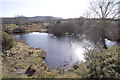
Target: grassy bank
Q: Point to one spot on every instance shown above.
(22, 61)
(13, 28)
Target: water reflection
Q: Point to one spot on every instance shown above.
(59, 49)
(109, 43)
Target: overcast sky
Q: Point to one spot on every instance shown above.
(56, 8)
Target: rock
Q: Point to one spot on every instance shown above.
(20, 57)
(61, 70)
(30, 71)
(4, 52)
(11, 54)
(48, 69)
(7, 54)
(43, 56)
(58, 68)
(43, 64)
(16, 67)
(29, 53)
(37, 48)
(39, 54)
(75, 66)
(69, 69)
(45, 67)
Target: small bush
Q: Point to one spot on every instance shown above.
(27, 23)
(60, 29)
(100, 64)
(18, 30)
(7, 41)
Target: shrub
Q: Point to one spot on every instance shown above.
(7, 41)
(18, 30)
(100, 64)
(60, 29)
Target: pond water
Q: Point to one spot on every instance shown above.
(60, 50)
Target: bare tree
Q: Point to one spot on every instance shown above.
(104, 9)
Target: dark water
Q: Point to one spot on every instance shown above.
(60, 50)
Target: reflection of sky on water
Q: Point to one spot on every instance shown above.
(109, 43)
(59, 49)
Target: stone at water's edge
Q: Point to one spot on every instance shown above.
(30, 71)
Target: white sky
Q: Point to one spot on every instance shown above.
(56, 8)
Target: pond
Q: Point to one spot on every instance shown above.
(60, 50)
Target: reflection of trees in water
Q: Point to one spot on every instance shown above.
(66, 64)
(23, 37)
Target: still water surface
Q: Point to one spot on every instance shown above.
(60, 50)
